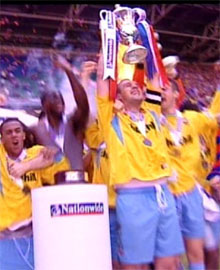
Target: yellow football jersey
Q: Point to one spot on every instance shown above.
(215, 105)
(207, 138)
(15, 203)
(206, 126)
(185, 156)
(100, 157)
(132, 155)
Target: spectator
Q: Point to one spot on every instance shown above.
(22, 169)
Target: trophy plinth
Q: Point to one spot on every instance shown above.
(70, 177)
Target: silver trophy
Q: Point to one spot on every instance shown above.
(125, 22)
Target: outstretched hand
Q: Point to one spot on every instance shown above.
(43, 160)
(118, 106)
(87, 68)
(47, 155)
(218, 118)
(61, 62)
(16, 169)
(215, 183)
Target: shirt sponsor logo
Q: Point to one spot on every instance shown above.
(29, 177)
(183, 141)
(71, 209)
(149, 127)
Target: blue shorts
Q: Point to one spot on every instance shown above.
(148, 228)
(191, 214)
(212, 235)
(113, 233)
(17, 254)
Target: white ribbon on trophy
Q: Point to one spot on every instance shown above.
(108, 34)
(141, 15)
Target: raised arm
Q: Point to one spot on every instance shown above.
(43, 160)
(86, 70)
(80, 117)
(102, 85)
(42, 135)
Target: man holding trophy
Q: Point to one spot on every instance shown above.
(139, 165)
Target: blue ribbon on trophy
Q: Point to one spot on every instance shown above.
(143, 28)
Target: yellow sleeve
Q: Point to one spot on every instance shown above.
(105, 114)
(93, 135)
(34, 151)
(48, 173)
(215, 105)
(203, 122)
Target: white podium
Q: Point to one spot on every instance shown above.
(71, 227)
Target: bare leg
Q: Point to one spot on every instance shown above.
(194, 250)
(166, 263)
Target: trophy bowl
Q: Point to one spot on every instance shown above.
(125, 21)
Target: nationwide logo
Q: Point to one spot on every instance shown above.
(71, 209)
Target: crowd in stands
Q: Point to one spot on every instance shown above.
(200, 81)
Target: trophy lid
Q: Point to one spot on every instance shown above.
(119, 9)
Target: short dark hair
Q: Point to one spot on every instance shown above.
(30, 139)
(46, 95)
(11, 119)
(118, 91)
(188, 105)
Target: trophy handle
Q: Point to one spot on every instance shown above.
(103, 22)
(103, 14)
(141, 15)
